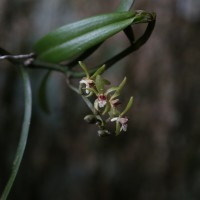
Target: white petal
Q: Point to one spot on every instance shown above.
(102, 104)
(83, 81)
(114, 119)
(124, 127)
(123, 120)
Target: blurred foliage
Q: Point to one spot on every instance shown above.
(158, 158)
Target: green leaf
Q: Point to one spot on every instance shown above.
(98, 72)
(73, 39)
(125, 5)
(83, 66)
(122, 84)
(43, 99)
(24, 133)
(127, 107)
(99, 84)
(119, 88)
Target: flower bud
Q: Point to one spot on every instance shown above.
(103, 133)
(91, 119)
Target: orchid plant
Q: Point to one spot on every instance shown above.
(62, 50)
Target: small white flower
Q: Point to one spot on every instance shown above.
(123, 121)
(88, 84)
(102, 100)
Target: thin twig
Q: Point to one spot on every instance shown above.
(17, 57)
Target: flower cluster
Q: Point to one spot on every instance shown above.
(105, 107)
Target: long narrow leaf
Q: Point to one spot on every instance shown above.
(24, 134)
(127, 107)
(78, 45)
(76, 29)
(71, 40)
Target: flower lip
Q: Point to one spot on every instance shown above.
(123, 121)
(102, 100)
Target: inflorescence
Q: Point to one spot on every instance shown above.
(104, 100)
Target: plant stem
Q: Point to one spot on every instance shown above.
(16, 57)
(24, 134)
(49, 66)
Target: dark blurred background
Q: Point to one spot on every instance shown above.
(158, 158)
